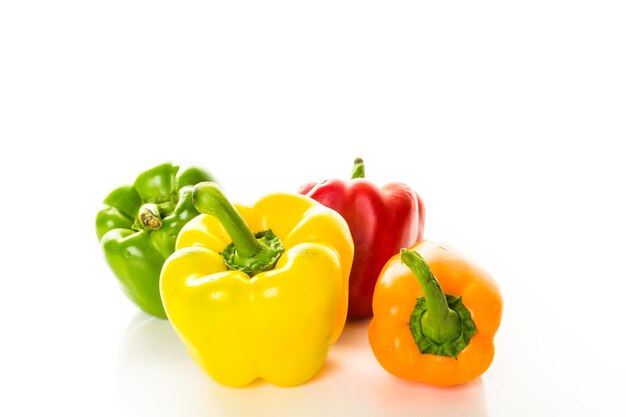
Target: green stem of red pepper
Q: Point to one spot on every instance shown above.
(249, 252)
(358, 170)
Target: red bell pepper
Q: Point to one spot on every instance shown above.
(381, 220)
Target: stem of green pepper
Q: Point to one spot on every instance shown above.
(249, 252)
(439, 323)
(149, 216)
(358, 170)
(209, 199)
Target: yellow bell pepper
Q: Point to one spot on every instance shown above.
(259, 305)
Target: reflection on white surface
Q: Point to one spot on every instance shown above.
(156, 377)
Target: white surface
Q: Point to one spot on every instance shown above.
(507, 117)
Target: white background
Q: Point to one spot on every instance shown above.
(507, 118)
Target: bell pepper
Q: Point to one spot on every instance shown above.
(259, 305)
(138, 227)
(381, 222)
(435, 316)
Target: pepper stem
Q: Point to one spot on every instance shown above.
(439, 322)
(209, 199)
(249, 252)
(149, 216)
(358, 170)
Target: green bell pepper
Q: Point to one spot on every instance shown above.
(138, 226)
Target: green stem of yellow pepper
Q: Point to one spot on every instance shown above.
(209, 199)
(249, 252)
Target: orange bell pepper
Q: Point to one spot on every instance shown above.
(446, 338)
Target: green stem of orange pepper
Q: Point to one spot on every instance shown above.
(439, 322)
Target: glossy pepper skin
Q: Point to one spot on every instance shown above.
(381, 220)
(465, 348)
(276, 321)
(138, 226)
